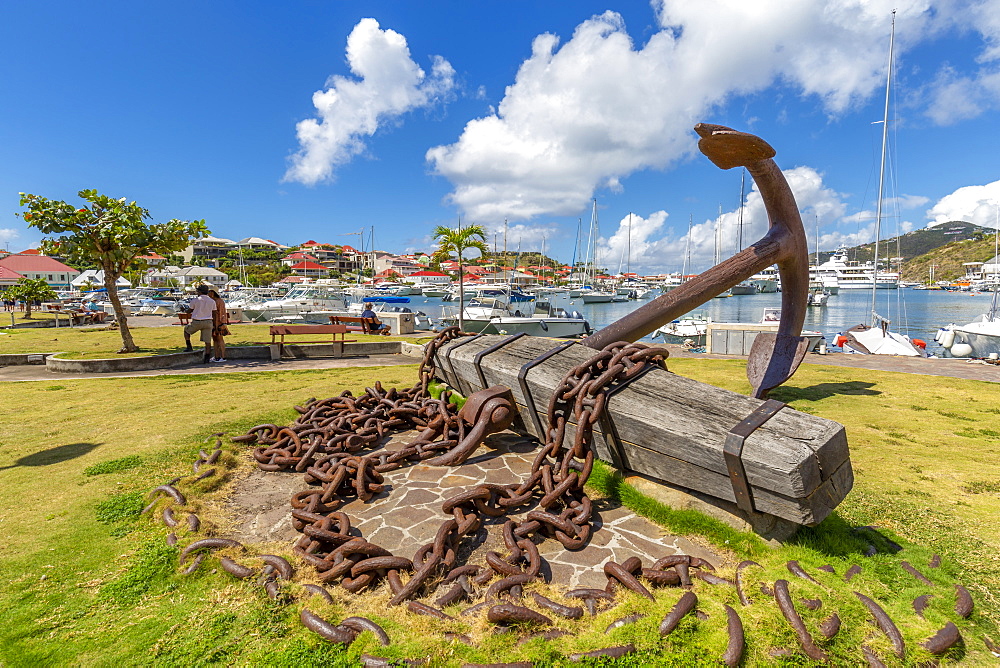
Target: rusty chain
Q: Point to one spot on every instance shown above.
(324, 443)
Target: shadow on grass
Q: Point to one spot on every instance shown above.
(54, 455)
(819, 391)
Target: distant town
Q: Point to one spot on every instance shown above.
(261, 262)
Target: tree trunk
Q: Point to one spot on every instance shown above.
(110, 280)
(461, 294)
(27, 309)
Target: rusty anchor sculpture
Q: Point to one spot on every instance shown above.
(774, 357)
(325, 443)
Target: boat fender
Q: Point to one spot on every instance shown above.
(919, 343)
(587, 327)
(961, 350)
(544, 325)
(946, 337)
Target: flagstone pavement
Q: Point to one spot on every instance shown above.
(408, 513)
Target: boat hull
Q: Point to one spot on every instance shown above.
(557, 328)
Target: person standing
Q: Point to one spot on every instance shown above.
(220, 327)
(202, 320)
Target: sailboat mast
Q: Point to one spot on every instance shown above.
(881, 173)
(687, 250)
(587, 267)
(628, 265)
(739, 234)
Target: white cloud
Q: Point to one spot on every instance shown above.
(8, 234)
(954, 96)
(653, 254)
(388, 85)
(973, 204)
(591, 111)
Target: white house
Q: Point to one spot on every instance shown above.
(428, 276)
(96, 278)
(189, 276)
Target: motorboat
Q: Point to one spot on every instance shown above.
(597, 297)
(545, 320)
(743, 288)
(818, 296)
(300, 299)
(693, 326)
(979, 338)
(766, 281)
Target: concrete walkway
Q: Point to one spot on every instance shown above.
(955, 368)
(941, 366)
(39, 372)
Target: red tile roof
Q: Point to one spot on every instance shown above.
(36, 263)
(9, 275)
(308, 265)
(427, 272)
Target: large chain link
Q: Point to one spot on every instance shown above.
(324, 442)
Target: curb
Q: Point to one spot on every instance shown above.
(58, 364)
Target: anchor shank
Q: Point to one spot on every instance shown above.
(682, 299)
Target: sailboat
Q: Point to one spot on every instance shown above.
(746, 287)
(594, 296)
(876, 339)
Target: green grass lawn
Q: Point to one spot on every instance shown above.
(98, 343)
(89, 582)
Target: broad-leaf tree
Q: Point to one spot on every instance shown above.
(456, 242)
(30, 290)
(111, 233)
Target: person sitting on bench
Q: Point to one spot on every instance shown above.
(376, 323)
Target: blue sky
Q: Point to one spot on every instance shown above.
(492, 110)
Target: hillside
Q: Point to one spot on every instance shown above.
(920, 242)
(947, 260)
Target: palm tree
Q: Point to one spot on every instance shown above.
(456, 242)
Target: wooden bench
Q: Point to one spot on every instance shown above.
(363, 325)
(309, 330)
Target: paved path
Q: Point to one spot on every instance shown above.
(940, 366)
(955, 368)
(408, 513)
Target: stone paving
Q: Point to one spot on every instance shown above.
(408, 513)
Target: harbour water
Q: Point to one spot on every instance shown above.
(916, 313)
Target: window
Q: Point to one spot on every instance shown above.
(50, 277)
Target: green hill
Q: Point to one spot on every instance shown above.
(918, 242)
(946, 247)
(948, 259)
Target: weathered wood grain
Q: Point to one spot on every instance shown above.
(674, 428)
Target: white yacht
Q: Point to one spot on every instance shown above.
(299, 300)
(545, 320)
(850, 275)
(767, 280)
